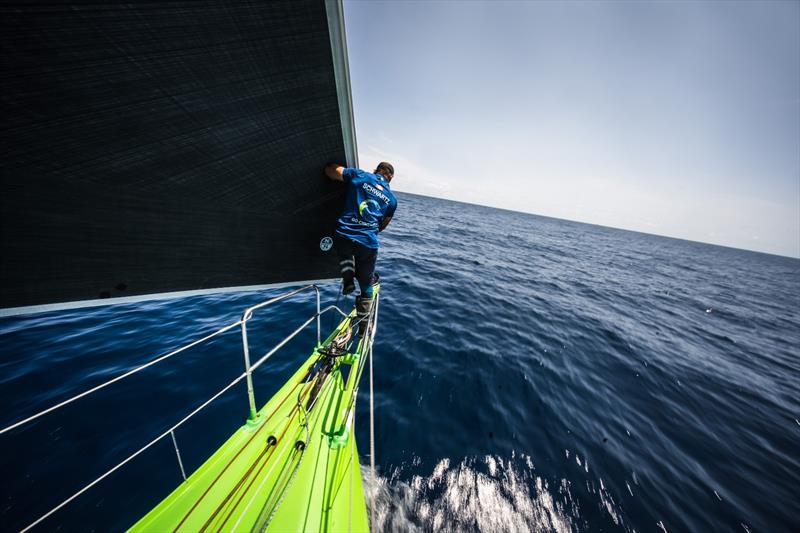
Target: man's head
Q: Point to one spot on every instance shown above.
(386, 170)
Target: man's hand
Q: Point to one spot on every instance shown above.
(334, 172)
(384, 223)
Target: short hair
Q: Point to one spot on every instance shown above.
(386, 169)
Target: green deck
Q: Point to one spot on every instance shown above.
(249, 484)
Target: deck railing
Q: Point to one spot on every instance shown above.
(247, 375)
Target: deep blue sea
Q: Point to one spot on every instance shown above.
(531, 374)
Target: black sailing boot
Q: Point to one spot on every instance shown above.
(363, 307)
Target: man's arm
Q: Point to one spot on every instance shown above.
(335, 172)
(387, 217)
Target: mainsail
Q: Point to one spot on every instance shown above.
(151, 148)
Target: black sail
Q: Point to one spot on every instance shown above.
(162, 147)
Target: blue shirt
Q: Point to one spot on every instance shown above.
(369, 200)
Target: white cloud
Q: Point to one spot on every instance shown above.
(658, 207)
(409, 175)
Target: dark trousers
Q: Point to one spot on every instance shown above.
(356, 261)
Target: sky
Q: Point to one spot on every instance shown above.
(675, 118)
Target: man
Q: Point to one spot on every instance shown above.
(368, 208)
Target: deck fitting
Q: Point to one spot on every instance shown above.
(253, 422)
(338, 439)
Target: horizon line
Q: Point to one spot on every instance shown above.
(603, 226)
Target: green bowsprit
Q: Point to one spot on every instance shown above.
(294, 468)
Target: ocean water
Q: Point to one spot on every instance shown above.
(531, 374)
